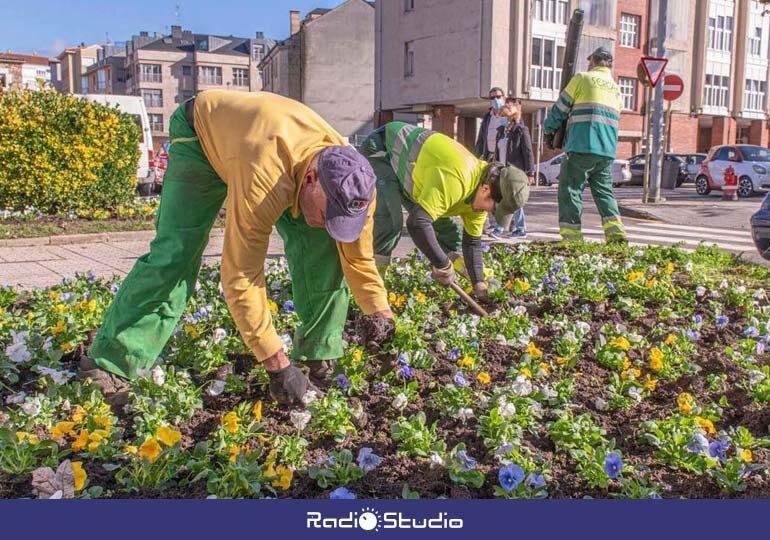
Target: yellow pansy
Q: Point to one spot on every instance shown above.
(168, 436)
(533, 351)
(545, 367)
(561, 360)
(58, 329)
(526, 372)
(685, 403)
(670, 339)
(706, 424)
(650, 383)
(31, 438)
(79, 414)
(746, 455)
(62, 429)
(62, 308)
(650, 283)
(670, 268)
(80, 442)
(272, 305)
(484, 378)
(465, 362)
(357, 355)
(520, 286)
(150, 449)
(103, 421)
(256, 411)
(285, 476)
(621, 343)
(626, 362)
(67, 347)
(131, 449)
(91, 306)
(656, 359)
(234, 452)
(80, 475)
(420, 297)
(191, 331)
(508, 285)
(231, 422)
(635, 276)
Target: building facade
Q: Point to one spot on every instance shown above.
(108, 74)
(168, 70)
(440, 58)
(23, 71)
(327, 63)
(74, 63)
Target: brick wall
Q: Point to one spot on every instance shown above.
(723, 131)
(683, 134)
(758, 133)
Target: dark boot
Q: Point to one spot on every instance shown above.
(320, 372)
(114, 388)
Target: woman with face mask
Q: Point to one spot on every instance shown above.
(513, 147)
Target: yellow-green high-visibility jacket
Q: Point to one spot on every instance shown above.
(592, 101)
(436, 172)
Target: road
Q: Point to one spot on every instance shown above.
(684, 219)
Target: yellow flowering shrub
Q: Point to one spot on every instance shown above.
(62, 153)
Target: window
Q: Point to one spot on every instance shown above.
(755, 43)
(755, 95)
(210, 75)
(545, 70)
(84, 85)
(629, 30)
(599, 12)
(156, 122)
(553, 11)
(258, 52)
(628, 91)
(149, 73)
(720, 33)
(408, 5)
(409, 59)
(41, 74)
(186, 71)
(240, 77)
(153, 98)
(203, 45)
(716, 91)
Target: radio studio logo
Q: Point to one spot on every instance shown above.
(370, 519)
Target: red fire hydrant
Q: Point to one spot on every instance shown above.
(730, 187)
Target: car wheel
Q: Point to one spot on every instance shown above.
(702, 186)
(542, 180)
(745, 187)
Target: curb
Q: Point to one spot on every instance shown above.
(93, 238)
(635, 213)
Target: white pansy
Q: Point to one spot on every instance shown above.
(638, 253)
(723, 284)
(436, 460)
(635, 393)
(653, 270)
(219, 335)
(299, 419)
(286, 341)
(32, 406)
(700, 290)
(440, 346)
(507, 410)
(17, 351)
(583, 326)
(520, 311)
(400, 401)
(688, 267)
(158, 375)
(309, 397)
(741, 290)
(16, 399)
(216, 388)
(760, 294)
(522, 386)
(57, 376)
(756, 377)
(465, 414)
(600, 404)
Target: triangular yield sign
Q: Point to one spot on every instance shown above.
(654, 68)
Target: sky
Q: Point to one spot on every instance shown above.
(48, 26)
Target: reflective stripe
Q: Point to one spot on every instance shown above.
(597, 106)
(597, 118)
(414, 151)
(184, 139)
(563, 108)
(570, 234)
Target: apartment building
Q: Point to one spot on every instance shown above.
(328, 63)
(168, 70)
(20, 71)
(74, 63)
(439, 59)
(108, 74)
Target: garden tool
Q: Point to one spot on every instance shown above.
(470, 302)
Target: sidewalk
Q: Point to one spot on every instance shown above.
(683, 206)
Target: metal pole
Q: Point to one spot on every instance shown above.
(647, 145)
(657, 114)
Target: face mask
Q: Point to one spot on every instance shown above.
(498, 103)
(503, 121)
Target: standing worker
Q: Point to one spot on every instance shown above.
(275, 162)
(592, 102)
(434, 177)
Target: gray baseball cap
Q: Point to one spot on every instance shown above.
(514, 188)
(602, 53)
(348, 181)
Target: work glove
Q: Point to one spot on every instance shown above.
(445, 276)
(549, 140)
(376, 329)
(481, 290)
(289, 385)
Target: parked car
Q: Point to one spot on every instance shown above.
(692, 164)
(638, 164)
(760, 228)
(550, 169)
(134, 107)
(751, 164)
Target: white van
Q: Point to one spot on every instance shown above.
(134, 106)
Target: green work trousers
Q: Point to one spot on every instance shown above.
(596, 171)
(388, 216)
(153, 296)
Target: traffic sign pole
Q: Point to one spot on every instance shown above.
(657, 115)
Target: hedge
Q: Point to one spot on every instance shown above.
(62, 153)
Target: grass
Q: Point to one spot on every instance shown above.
(55, 227)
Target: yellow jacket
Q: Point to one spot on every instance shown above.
(260, 144)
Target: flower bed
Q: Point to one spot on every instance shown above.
(602, 372)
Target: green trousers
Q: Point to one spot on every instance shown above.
(596, 171)
(388, 217)
(153, 296)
